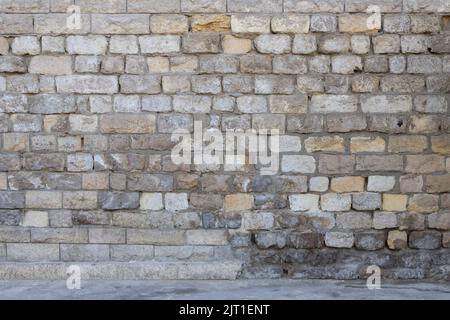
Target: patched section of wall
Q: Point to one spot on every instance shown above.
(91, 93)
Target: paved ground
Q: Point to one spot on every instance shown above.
(227, 290)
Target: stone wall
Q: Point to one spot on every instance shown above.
(360, 99)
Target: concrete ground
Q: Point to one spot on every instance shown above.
(222, 290)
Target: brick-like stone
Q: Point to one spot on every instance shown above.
(347, 184)
(397, 240)
(201, 43)
(84, 252)
(441, 144)
(339, 239)
(386, 104)
(43, 199)
(307, 202)
(404, 143)
(103, 235)
(335, 202)
(437, 184)
(290, 23)
(333, 103)
(35, 219)
(120, 23)
(336, 164)
(12, 200)
(354, 23)
(386, 44)
(323, 23)
(439, 221)
(354, 220)
(156, 237)
(298, 164)
(80, 200)
(87, 84)
(250, 24)
(424, 163)
(238, 202)
(325, 144)
(425, 240)
(127, 123)
(235, 45)
(159, 44)
(275, 44)
(210, 23)
(24, 252)
(49, 65)
(424, 64)
(155, 6)
(394, 202)
(334, 44)
(384, 220)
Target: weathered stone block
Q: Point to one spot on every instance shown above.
(354, 23)
(201, 43)
(43, 199)
(257, 221)
(325, 144)
(159, 44)
(84, 252)
(127, 123)
(207, 237)
(386, 104)
(238, 202)
(307, 202)
(347, 184)
(272, 84)
(384, 220)
(425, 240)
(156, 237)
(336, 164)
(304, 44)
(24, 252)
(333, 103)
(397, 240)
(155, 6)
(335, 202)
(298, 164)
(424, 163)
(366, 201)
(250, 24)
(275, 44)
(120, 23)
(370, 241)
(441, 144)
(394, 202)
(334, 44)
(210, 23)
(85, 84)
(290, 23)
(323, 23)
(103, 235)
(80, 200)
(439, 221)
(118, 200)
(339, 239)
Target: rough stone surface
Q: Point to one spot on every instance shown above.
(357, 113)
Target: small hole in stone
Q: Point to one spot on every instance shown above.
(400, 123)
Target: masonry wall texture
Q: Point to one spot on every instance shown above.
(86, 117)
